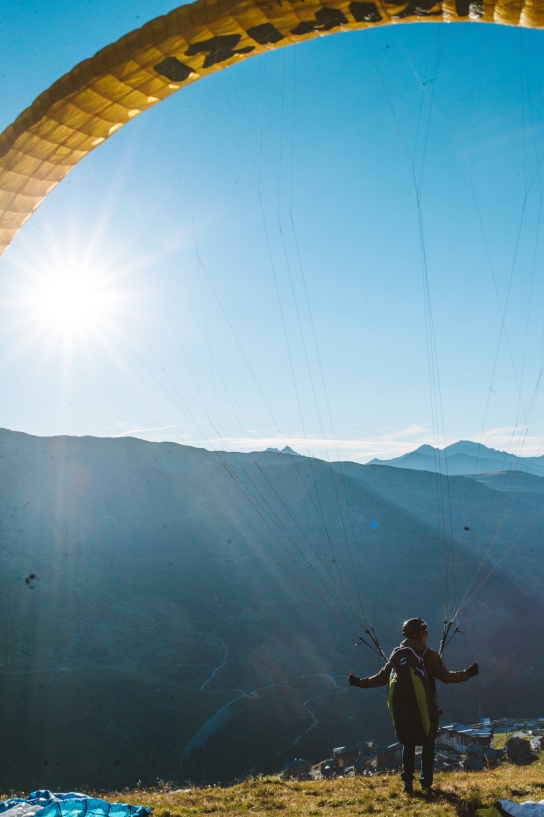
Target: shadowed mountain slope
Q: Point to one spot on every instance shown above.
(511, 481)
(169, 627)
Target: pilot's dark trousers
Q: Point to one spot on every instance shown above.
(427, 762)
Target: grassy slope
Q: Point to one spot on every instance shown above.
(457, 794)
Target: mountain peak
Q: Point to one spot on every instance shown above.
(425, 449)
(286, 450)
(289, 450)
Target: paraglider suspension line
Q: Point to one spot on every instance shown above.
(445, 640)
(374, 638)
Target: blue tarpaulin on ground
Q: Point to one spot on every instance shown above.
(507, 808)
(47, 804)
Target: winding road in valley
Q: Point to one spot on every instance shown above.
(219, 718)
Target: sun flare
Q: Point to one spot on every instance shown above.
(71, 300)
(74, 300)
(74, 297)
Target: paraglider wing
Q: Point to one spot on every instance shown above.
(100, 95)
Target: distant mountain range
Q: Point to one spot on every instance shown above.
(162, 615)
(464, 458)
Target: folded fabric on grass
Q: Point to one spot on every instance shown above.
(73, 804)
(507, 808)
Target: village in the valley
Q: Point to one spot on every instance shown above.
(458, 748)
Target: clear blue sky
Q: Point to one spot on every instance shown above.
(216, 232)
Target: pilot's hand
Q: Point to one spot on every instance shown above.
(354, 681)
(473, 670)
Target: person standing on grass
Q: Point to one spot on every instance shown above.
(412, 672)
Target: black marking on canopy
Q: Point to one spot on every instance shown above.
(173, 69)
(265, 34)
(462, 8)
(365, 12)
(325, 19)
(466, 8)
(219, 49)
(419, 8)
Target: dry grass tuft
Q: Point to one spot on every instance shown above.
(458, 795)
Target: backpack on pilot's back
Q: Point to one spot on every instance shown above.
(410, 700)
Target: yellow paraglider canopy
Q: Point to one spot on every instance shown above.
(86, 106)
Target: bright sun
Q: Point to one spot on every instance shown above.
(75, 296)
(70, 301)
(73, 301)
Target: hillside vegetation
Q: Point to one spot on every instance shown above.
(456, 794)
(155, 615)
